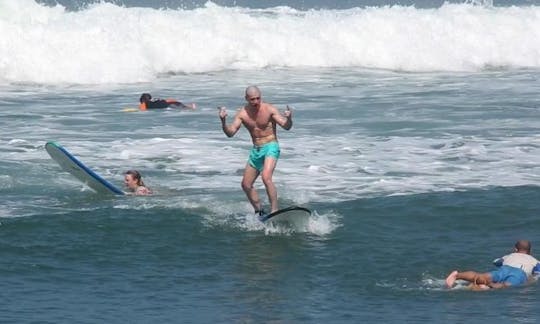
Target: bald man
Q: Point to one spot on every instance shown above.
(514, 269)
(260, 119)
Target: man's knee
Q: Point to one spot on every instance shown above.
(266, 177)
(246, 186)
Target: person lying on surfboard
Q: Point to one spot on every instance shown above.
(515, 269)
(146, 102)
(260, 119)
(133, 181)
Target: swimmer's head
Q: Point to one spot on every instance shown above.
(145, 97)
(133, 179)
(523, 246)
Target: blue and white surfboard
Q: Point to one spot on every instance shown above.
(72, 165)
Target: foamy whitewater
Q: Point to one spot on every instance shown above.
(106, 43)
(416, 143)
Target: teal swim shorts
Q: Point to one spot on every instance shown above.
(259, 153)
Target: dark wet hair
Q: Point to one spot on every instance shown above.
(145, 97)
(137, 176)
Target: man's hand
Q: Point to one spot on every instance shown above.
(288, 112)
(222, 112)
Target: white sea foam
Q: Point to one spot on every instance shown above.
(110, 44)
(356, 134)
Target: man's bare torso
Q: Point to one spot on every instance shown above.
(260, 123)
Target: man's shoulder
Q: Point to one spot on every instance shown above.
(241, 111)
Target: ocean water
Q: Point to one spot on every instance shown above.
(415, 143)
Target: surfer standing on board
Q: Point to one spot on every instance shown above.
(134, 183)
(260, 119)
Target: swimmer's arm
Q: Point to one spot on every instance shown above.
(285, 120)
(143, 191)
(536, 269)
(498, 262)
(232, 128)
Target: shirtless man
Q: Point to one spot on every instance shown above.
(260, 119)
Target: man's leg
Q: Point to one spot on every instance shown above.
(470, 276)
(250, 175)
(267, 173)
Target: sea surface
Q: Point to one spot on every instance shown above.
(416, 144)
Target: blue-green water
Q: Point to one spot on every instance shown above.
(385, 262)
(402, 194)
(413, 168)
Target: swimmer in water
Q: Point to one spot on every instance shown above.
(146, 103)
(133, 181)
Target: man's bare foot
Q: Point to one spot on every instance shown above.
(451, 279)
